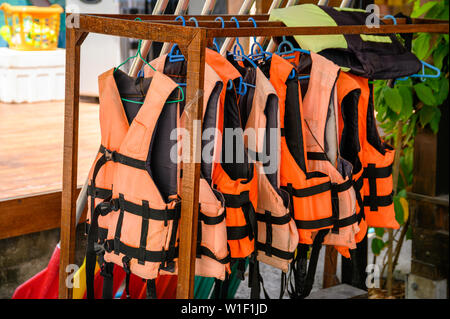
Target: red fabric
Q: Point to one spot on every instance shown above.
(43, 285)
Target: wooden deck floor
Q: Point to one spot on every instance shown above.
(31, 146)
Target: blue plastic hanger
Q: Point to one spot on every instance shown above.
(238, 50)
(216, 45)
(255, 56)
(290, 49)
(141, 73)
(238, 55)
(176, 56)
(422, 75)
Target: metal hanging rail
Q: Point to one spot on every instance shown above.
(192, 41)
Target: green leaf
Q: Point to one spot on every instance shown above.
(425, 94)
(379, 232)
(377, 246)
(398, 210)
(421, 46)
(435, 11)
(409, 233)
(393, 99)
(434, 122)
(439, 54)
(442, 93)
(407, 98)
(426, 114)
(419, 10)
(402, 193)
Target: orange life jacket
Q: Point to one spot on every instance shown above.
(236, 181)
(277, 237)
(371, 157)
(141, 215)
(316, 188)
(320, 112)
(310, 191)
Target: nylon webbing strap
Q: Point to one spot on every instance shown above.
(275, 251)
(145, 211)
(236, 201)
(108, 282)
(98, 192)
(379, 201)
(317, 156)
(205, 251)
(357, 185)
(119, 226)
(144, 233)
(92, 238)
(268, 244)
(268, 217)
(373, 200)
(316, 247)
(314, 224)
(309, 191)
(122, 159)
(241, 201)
(133, 252)
(151, 289)
(335, 208)
(91, 255)
(270, 220)
(339, 188)
(303, 273)
(211, 220)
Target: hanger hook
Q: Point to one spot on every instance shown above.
(182, 19)
(388, 16)
(221, 20)
(195, 20)
(216, 45)
(238, 44)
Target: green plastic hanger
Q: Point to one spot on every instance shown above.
(138, 53)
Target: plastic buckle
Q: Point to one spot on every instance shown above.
(106, 207)
(99, 249)
(126, 264)
(109, 155)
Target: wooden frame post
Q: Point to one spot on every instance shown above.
(70, 157)
(191, 168)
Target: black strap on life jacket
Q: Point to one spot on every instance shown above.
(92, 238)
(304, 192)
(241, 201)
(255, 280)
(165, 257)
(96, 192)
(358, 185)
(373, 200)
(267, 247)
(151, 289)
(303, 274)
(107, 271)
(122, 159)
(126, 268)
(221, 287)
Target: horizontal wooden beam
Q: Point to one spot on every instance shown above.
(346, 29)
(31, 213)
(116, 26)
(167, 32)
(437, 200)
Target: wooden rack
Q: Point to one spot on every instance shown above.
(192, 42)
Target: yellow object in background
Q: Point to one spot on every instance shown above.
(80, 278)
(31, 28)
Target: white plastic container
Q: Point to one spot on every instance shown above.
(31, 76)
